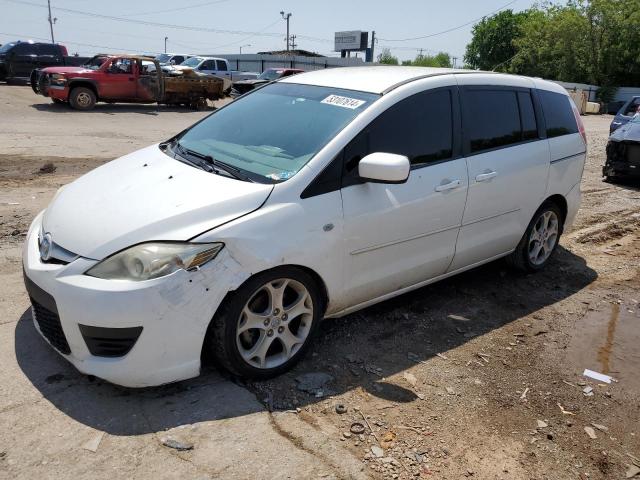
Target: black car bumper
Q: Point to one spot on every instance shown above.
(623, 160)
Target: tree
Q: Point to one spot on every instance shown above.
(386, 57)
(441, 59)
(492, 45)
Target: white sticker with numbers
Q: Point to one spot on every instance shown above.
(345, 102)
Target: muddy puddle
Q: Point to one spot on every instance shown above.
(607, 340)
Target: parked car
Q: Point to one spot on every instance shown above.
(219, 67)
(623, 151)
(626, 113)
(172, 58)
(18, 59)
(238, 235)
(269, 75)
(123, 78)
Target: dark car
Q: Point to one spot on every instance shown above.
(18, 59)
(623, 151)
(269, 75)
(626, 113)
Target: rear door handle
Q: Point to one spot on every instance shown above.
(483, 177)
(448, 186)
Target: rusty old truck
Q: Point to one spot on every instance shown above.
(125, 78)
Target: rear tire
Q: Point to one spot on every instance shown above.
(265, 327)
(539, 241)
(82, 98)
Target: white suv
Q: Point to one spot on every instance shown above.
(312, 197)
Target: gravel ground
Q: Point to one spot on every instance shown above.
(478, 376)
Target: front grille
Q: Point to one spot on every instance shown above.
(49, 324)
(109, 342)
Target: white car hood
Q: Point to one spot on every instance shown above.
(145, 196)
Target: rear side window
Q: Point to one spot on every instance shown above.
(419, 127)
(47, 49)
(222, 66)
(558, 114)
(492, 118)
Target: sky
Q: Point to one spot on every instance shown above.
(223, 26)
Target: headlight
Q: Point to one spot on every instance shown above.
(58, 78)
(153, 260)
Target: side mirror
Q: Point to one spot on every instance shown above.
(382, 167)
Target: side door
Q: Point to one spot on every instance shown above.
(48, 55)
(23, 59)
(119, 80)
(223, 69)
(208, 66)
(398, 235)
(508, 163)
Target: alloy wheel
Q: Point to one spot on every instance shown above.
(274, 323)
(543, 237)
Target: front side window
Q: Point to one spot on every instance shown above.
(25, 49)
(419, 127)
(273, 132)
(558, 114)
(121, 65)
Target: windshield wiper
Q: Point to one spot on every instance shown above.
(183, 152)
(218, 165)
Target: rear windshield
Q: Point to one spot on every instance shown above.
(276, 130)
(6, 47)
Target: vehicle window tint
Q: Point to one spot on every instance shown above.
(633, 107)
(527, 116)
(419, 127)
(492, 118)
(47, 49)
(222, 66)
(208, 65)
(558, 114)
(178, 59)
(24, 49)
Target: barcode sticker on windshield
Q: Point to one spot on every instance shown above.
(345, 102)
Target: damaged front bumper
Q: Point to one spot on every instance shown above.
(134, 334)
(623, 160)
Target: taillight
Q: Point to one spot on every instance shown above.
(576, 114)
(64, 51)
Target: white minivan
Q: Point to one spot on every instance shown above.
(311, 197)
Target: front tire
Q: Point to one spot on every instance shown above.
(266, 326)
(82, 98)
(540, 239)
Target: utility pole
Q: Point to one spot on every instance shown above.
(247, 45)
(454, 61)
(373, 45)
(286, 17)
(165, 44)
(420, 50)
(293, 42)
(51, 21)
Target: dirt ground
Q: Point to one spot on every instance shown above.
(478, 376)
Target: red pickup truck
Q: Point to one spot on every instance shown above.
(124, 78)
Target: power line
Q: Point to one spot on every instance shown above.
(186, 7)
(21, 35)
(146, 22)
(450, 29)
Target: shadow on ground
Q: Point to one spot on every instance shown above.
(379, 337)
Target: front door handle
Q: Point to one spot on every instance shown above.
(483, 177)
(448, 186)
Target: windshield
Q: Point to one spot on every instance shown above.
(6, 47)
(276, 130)
(163, 57)
(270, 75)
(192, 62)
